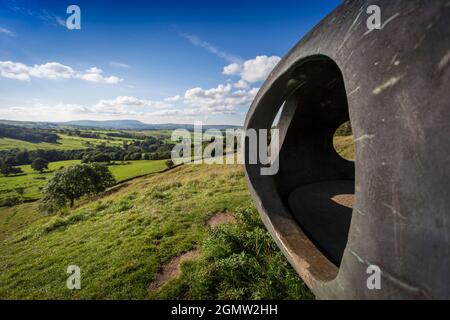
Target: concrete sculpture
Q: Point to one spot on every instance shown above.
(393, 84)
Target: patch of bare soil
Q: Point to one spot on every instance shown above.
(221, 218)
(346, 200)
(172, 269)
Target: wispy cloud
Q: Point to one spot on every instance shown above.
(196, 41)
(7, 32)
(119, 65)
(42, 14)
(61, 21)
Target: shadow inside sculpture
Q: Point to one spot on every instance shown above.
(314, 181)
(325, 212)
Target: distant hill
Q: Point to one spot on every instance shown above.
(111, 124)
(31, 124)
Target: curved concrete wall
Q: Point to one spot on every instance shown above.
(393, 84)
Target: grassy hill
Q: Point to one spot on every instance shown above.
(65, 143)
(121, 241)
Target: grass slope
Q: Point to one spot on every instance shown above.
(121, 241)
(345, 147)
(65, 143)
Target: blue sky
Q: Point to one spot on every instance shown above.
(154, 61)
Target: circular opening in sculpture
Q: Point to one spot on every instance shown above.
(315, 180)
(343, 142)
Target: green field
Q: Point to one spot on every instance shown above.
(65, 143)
(122, 240)
(131, 169)
(32, 181)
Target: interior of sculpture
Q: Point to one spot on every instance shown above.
(314, 181)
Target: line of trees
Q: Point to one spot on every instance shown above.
(95, 135)
(81, 134)
(149, 149)
(27, 134)
(7, 170)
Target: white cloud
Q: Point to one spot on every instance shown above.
(174, 98)
(14, 70)
(253, 70)
(39, 111)
(165, 113)
(7, 32)
(128, 105)
(232, 69)
(241, 84)
(196, 102)
(94, 74)
(52, 70)
(62, 107)
(213, 94)
(219, 100)
(225, 99)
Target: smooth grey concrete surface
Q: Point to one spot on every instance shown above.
(393, 85)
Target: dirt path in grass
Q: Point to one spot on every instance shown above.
(221, 218)
(172, 269)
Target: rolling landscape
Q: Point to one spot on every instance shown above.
(223, 159)
(160, 232)
(114, 121)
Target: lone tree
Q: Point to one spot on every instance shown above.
(97, 157)
(8, 170)
(39, 164)
(73, 182)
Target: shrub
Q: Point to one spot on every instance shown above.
(10, 201)
(96, 157)
(8, 170)
(39, 164)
